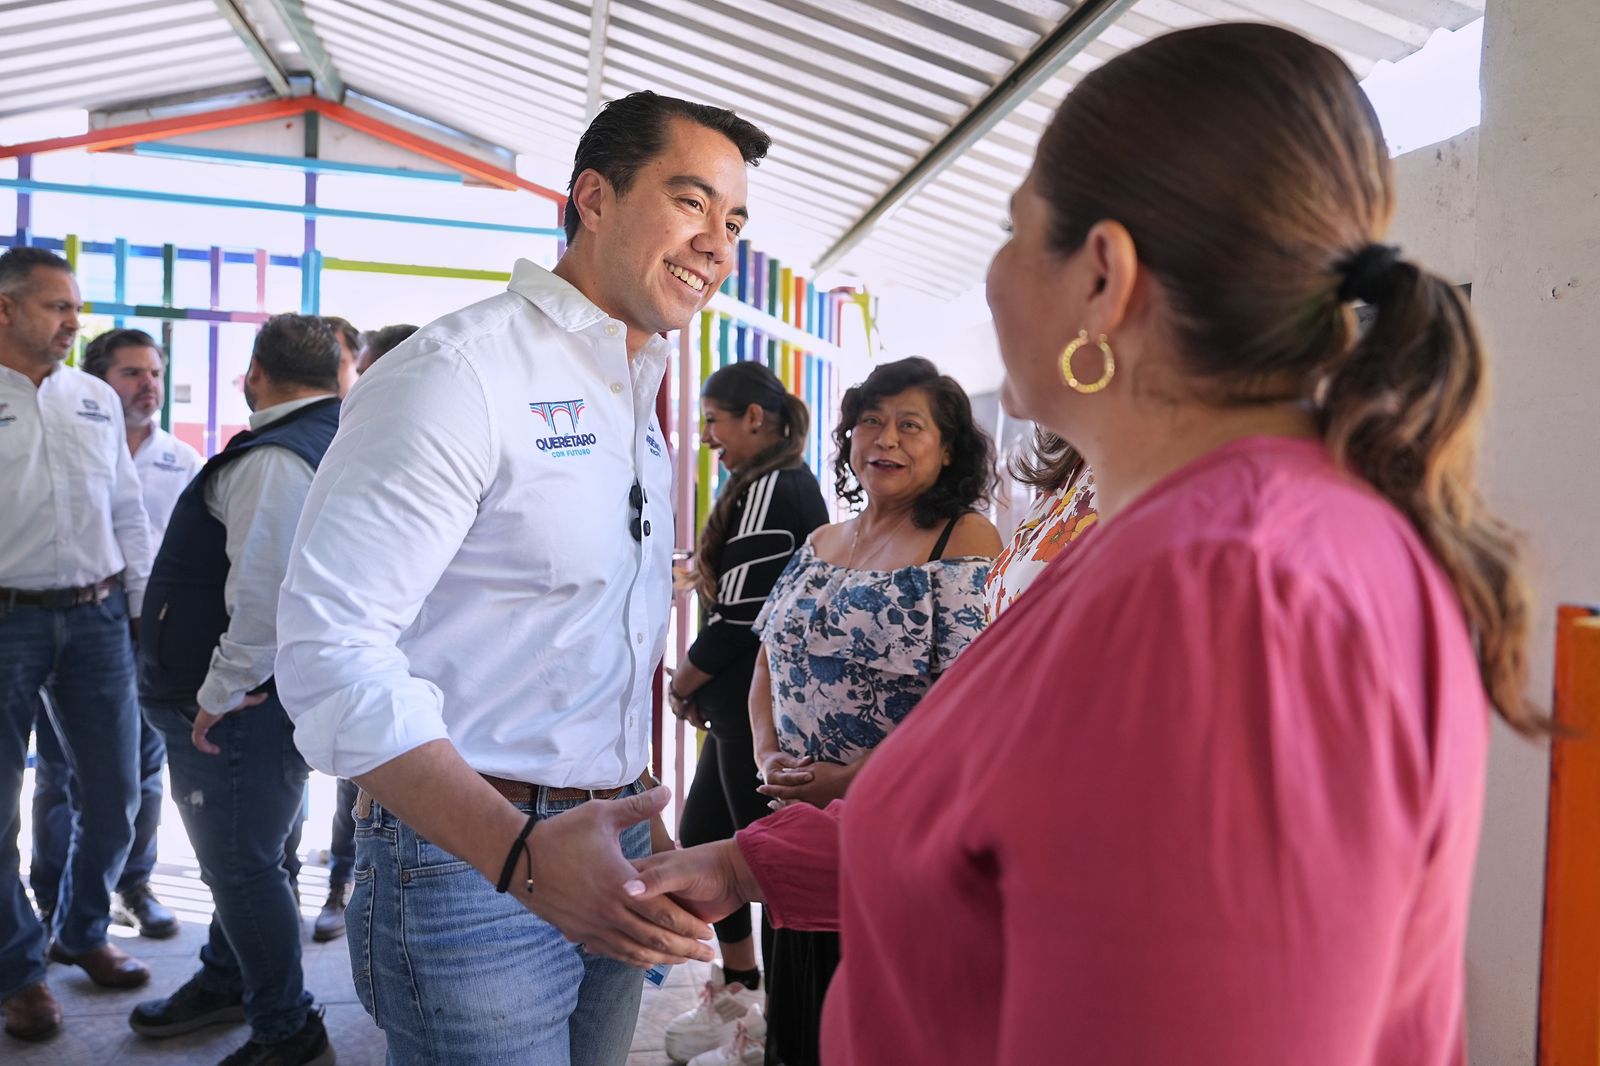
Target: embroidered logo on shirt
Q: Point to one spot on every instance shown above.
(573, 443)
(92, 412)
(652, 443)
(168, 462)
(5, 419)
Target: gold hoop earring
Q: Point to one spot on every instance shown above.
(1066, 364)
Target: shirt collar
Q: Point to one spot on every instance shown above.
(268, 415)
(152, 441)
(558, 299)
(574, 312)
(17, 377)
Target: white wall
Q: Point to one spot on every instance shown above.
(1436, 217)
(1536, 288)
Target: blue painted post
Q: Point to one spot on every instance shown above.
(211, 392)
(24, 201)
(121, 284)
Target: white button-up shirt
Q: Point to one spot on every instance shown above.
(166, 465)
(464, 568)
(72, 513)
(257, 498)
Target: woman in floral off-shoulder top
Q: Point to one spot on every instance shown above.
(865, 618)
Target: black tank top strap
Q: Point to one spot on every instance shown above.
(944, 539)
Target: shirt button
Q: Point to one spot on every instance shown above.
(647, 527)
(638, 638)
(612, 330)
(616, 386)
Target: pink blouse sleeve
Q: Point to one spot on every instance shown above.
(794, 855)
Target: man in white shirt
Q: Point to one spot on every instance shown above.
(477, 603)
(74, 559)
(205, 680)
(130, 361)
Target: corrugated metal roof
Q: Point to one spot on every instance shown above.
(102, 53)
(854, 92)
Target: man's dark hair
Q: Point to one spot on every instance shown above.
(102, 351)
(380, 342)
(343, 330)
(298, 350)
(17, 264)
(629, 132)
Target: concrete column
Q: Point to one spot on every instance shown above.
(1537, 293)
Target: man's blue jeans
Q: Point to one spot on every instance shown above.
(55, 801)
(83, 658)
(238, 807)
(453, 971)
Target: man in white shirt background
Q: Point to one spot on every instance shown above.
(130, 361)
(205, 680)
(486, 675)
(330, 923)
(74, 559)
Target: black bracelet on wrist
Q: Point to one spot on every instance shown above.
(519, 844)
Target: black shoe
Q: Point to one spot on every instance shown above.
(330, 922)
(189, 1008)
(139, 908)
(308, 1047)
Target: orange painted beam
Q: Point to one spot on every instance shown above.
(176, 126)
(179, 125)
(1569, 987)
(458, 161)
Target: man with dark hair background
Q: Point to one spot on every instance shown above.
(349, 339)
(130, 361)
(486, 676)
(205, 679)
(330, 923)
(381, 342)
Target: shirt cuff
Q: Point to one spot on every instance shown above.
(215, 697)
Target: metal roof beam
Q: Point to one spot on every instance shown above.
(1086, 22)
(293, 13)
(276, 76)
(599, 23)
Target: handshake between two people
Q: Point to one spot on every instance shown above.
(643, 912)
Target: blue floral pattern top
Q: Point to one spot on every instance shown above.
(851, 652)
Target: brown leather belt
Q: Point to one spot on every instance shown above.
(522, 792)
(59, 599)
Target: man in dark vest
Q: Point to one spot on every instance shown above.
(205, 680)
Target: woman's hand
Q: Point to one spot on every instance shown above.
(685, 710)
(710, 881)
(825, 783)
(781, 768)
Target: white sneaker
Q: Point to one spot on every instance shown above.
(711, 1024)
(746, 1047)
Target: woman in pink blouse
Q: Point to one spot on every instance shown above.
(1210, 792)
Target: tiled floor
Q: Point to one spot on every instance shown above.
(96, 1032)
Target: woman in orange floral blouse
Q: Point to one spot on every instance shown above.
(1064, 511)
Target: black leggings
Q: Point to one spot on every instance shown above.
(722, 800)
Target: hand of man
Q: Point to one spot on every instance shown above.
(825, 783)
(711, 881)
(578, 874)
(204, 720)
